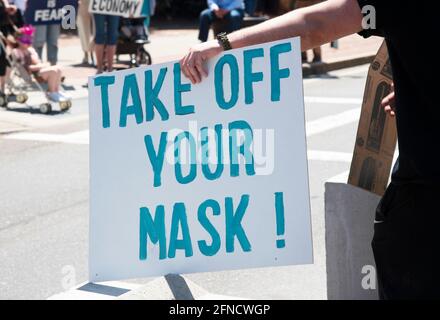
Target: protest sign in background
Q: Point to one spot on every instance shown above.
(123, 8)
(151, 215)
(46, 11)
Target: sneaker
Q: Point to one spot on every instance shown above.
(55, 97)
(65, 95)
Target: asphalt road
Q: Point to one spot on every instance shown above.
(44, 193)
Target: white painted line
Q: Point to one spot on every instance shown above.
(340, 178)
(80, 137)
(332, 122)
(338, 74)
(329, 156)
(333, 100)
(312, 127)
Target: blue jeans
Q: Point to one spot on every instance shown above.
(106, 29)
(207, 17)
(250, 6)
(48, 34)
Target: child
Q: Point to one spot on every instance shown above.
(28, 58)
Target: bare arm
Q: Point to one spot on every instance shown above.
(315, 25)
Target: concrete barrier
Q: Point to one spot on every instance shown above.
(349, 216)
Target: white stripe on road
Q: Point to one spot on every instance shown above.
(312, 127)
(329, 156)
(80, 137)
(333, 100)
(332, 122)
(340, 178)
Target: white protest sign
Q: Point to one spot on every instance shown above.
(236, 197)
(123, 8)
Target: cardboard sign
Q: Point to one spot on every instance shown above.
(123, 8)
(377, 136)
(192, 178)
(46, 11)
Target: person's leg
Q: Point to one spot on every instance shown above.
(52, 75)
(250, 6)
(317, 54)
(234, 19)
(112, 38)
(53, 33)
(3, 67)
(100, 37)
(406, 242)
(39, 39)
(304, 57)
(206, 18)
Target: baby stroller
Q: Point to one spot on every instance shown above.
(9, 95)
(132, 38)
(19, 80)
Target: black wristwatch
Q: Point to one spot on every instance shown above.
(223, 40)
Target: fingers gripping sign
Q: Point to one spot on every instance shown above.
(388, 103)
(192, 64)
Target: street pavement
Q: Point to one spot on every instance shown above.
(44, 194)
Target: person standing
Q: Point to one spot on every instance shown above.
(7, 12)
(47, 34)
(106, 37)
(406, 241)
(85, 26)
(231, 11)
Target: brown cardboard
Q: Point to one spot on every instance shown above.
(376, 137)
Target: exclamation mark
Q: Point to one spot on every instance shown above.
(279, 210)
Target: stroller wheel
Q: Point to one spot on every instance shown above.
(65, 105)
(143, 57)
(22, 98)
(3, 101)
(45, 108)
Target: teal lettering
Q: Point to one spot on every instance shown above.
(152, 95)
(249, 76)
(179, 87)
(276, 73)
(130, 88)
(156, 159)
(179, 219)
(218, 81)
(153, 228)
(233, 224)
(104, 82)
(213, 248)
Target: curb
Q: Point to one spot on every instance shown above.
(324, 67)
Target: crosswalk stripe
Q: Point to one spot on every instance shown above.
(333, 100)
(312, 127)
(79, 137)
(332, 122)
(318, 155)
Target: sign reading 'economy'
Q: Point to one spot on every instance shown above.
(192, 178)
(124, 8)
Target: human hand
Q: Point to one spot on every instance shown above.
(192, 63)
(220, 13)
(11, 9)
(389, 102)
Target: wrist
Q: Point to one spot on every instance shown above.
(223, 41)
